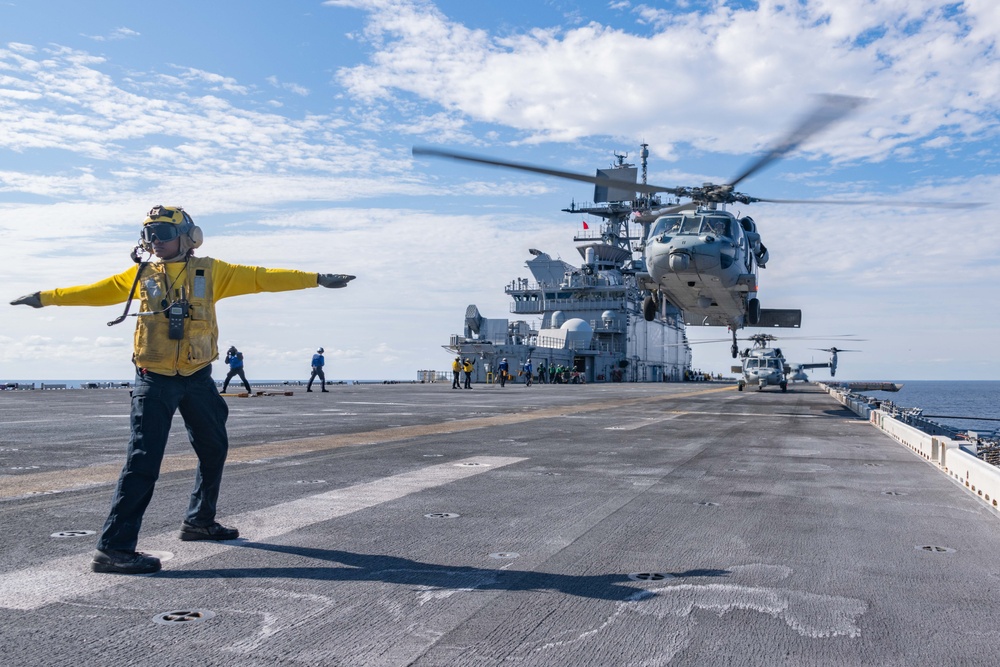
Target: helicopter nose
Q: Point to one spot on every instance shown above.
(679, 261)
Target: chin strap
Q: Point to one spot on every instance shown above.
(136, 251)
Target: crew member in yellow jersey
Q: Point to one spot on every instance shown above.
(176, 339)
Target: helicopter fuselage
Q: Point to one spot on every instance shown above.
(705, 263)
(763, 367)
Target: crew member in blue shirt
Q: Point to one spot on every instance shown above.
(235, 360)
(317, 371)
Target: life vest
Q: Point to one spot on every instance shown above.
(154, 350)
(456, 366)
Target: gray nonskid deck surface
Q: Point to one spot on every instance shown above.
(766, 529)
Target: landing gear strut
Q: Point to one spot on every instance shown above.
(753, 311)
(735, 349)
(649, 307)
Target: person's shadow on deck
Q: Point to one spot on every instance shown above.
(395, 570)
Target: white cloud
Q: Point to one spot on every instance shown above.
(116, 34)
(720, 79)
(292, 87)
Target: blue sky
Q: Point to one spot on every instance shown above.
(285, 129)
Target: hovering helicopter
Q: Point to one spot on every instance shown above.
(697, 255)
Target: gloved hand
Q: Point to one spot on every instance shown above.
(33, 300)
(333, 279)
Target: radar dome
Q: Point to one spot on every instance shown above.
(558, 317)
(576, 324)
(578, 333)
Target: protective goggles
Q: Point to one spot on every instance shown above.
(160, 231)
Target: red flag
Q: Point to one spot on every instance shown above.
(585, 225)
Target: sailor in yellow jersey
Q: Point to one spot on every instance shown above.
(176, 340)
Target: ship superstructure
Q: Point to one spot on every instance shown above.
(586, 319)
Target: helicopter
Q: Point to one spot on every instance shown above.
(766, 366)
(762, 365)
(698, 256)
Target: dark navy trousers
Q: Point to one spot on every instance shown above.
(155, 399)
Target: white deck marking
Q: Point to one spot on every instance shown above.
(642, 422)
(70, 577)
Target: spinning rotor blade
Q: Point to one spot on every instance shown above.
(651, 216)
(874, 202)
(830, 109)
(558, 173)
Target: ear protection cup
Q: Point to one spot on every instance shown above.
(196, 236)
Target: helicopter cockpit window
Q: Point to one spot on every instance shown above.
(717, 226)
(690, 225)
(668, 224)
(752, 363)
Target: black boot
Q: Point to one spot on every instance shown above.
(124, 562)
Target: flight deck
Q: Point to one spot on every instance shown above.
(599, 524)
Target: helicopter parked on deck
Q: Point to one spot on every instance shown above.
(764, 366)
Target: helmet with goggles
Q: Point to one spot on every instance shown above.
(166, 223)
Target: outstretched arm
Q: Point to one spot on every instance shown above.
(105, 292)
(235, 279)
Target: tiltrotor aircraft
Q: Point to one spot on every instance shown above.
(697, 255)
(797, 372)
(834, 351)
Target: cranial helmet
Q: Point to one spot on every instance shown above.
(319, 351)
(190, 234)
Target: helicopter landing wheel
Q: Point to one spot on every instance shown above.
(753, 310)
(649, 308)
(739, 387)
(784, 386)
(735, 349)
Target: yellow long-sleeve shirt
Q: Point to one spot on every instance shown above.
(215, 280)
(230, 280)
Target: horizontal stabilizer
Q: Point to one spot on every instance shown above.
(774, 317)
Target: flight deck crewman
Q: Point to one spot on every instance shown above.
(234, 358)
(467, 367)
(318, 361)
(176, 339)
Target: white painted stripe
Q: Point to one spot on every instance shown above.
(640, 424)
(70, 577)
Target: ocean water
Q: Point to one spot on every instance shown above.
(951, 400)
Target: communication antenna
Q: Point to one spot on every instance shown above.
(644, 154)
